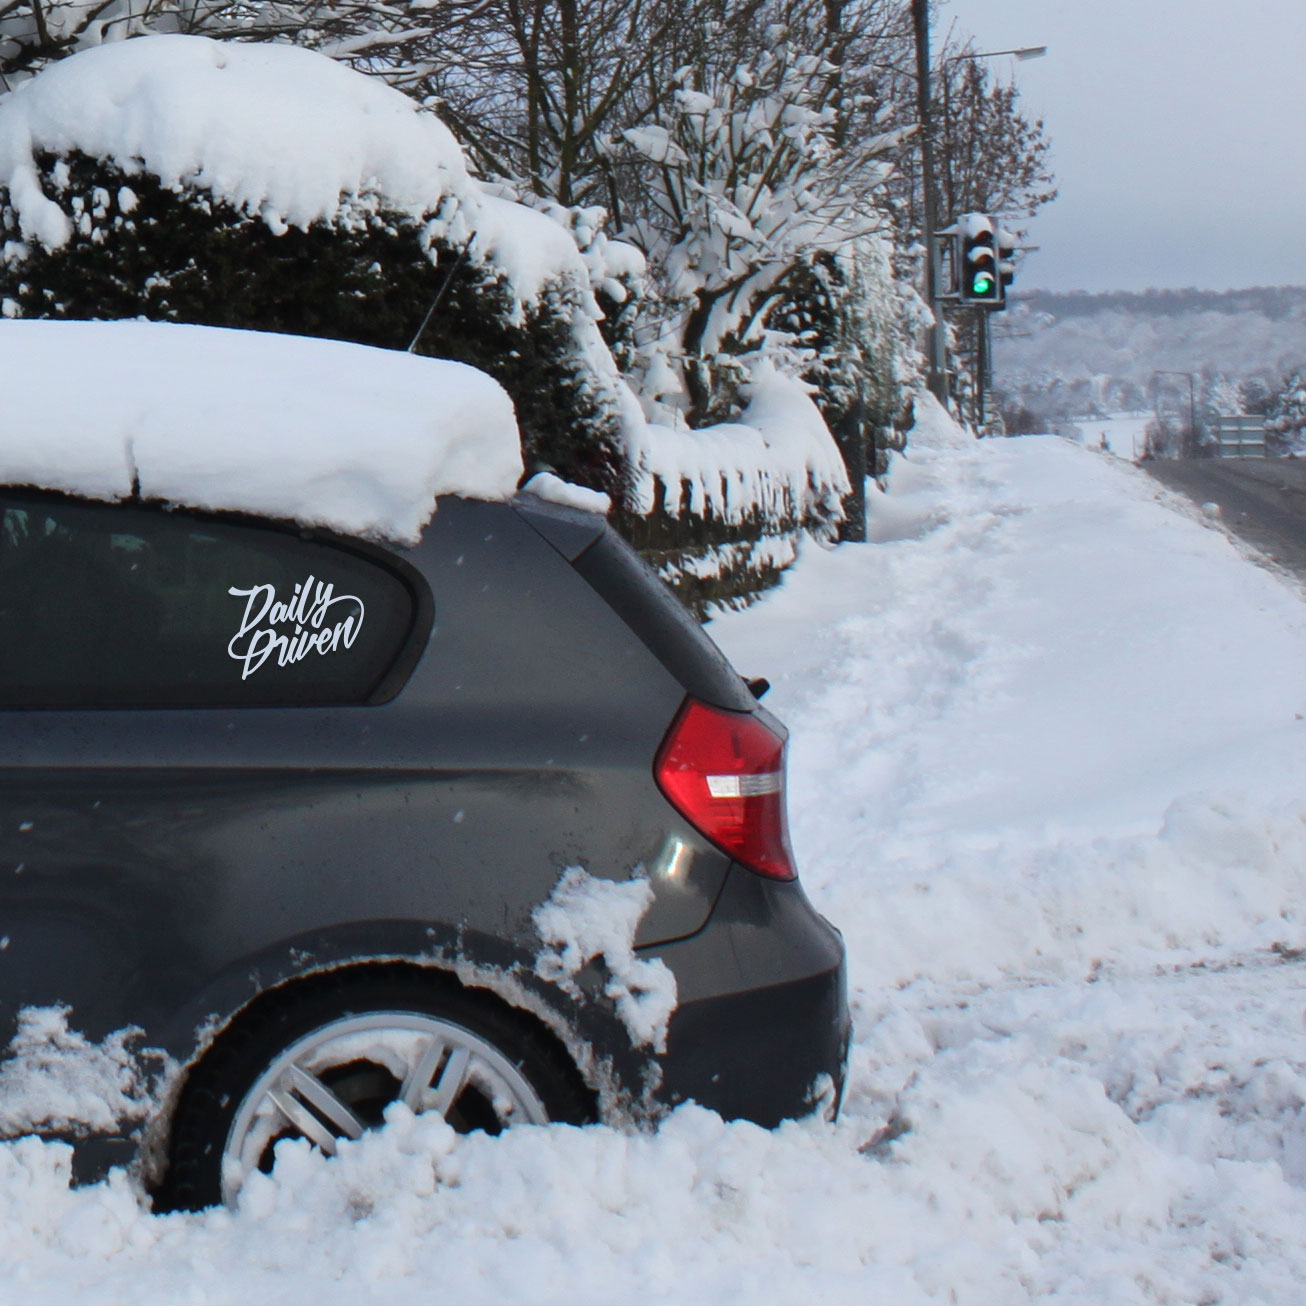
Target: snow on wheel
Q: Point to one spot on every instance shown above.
(338, 1081)
(324, 1065)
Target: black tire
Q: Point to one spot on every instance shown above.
(322, 1059)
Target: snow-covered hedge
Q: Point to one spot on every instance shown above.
(719, 510)
(265, 186)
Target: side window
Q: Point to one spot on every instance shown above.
(109, 606)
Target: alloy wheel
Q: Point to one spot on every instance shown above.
(337, 1081)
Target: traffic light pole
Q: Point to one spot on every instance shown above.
(936, 354)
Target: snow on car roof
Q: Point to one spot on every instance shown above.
(345, 436)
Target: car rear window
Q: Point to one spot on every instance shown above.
(105, 605)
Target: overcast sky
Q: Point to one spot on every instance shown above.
(1178, 132)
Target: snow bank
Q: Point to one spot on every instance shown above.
(778, 460)
(1057, 759)
(935, 427)
(328, 434)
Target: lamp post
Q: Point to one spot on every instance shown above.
(936, 352)
(983, 340)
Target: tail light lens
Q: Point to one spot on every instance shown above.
(724, 772)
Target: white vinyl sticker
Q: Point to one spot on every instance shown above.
(293, 629)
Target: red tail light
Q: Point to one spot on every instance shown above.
(724, 772)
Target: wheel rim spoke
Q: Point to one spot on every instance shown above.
(453, 1079)
(317, 1095)
(302, 1119)
(418, 1079)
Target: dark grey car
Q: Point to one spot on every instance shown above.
(286, 807)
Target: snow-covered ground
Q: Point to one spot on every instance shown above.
(1123, 433)
(1047, 759)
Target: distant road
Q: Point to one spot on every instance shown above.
(1262, 500)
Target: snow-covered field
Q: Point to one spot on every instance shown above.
(1047, 760)
(1123, 433)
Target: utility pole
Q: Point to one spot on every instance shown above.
(935, 355)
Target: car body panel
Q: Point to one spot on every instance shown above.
(161, 867)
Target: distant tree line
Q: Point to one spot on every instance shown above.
(1062, 358)
(1274, 302)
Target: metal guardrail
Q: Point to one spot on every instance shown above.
(1242, 436)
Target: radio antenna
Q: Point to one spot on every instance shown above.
(439, 294)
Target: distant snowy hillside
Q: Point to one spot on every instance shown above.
(1076, 355)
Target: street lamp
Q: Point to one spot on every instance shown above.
(1021, 52)
(936, 354)
(983, 341)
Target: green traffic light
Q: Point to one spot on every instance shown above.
(982, 285)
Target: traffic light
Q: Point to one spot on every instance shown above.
(980, 281)
(1006, 247)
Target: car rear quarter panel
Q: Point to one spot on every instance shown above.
(153, 864)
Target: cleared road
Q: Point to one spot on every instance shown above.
(1262, 500)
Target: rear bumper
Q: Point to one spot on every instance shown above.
(762, 1026)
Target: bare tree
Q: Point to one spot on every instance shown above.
(989, 156)
(992, 158)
